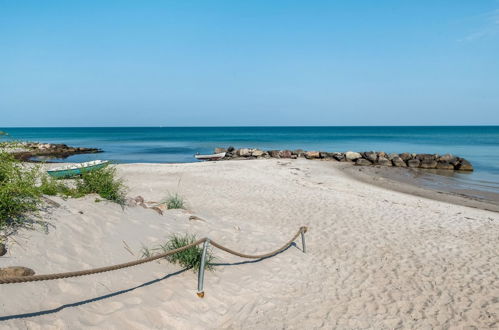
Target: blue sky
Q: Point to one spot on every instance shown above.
(223, 63)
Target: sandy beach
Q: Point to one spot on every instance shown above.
(376, 258)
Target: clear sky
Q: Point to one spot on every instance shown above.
(223, 63)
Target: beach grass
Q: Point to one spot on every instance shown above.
(189, 258)
(19, 193)
(104, 182)
(175, 201)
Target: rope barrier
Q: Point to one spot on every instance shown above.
(33, 278)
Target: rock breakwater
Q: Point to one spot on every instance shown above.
(368, 158)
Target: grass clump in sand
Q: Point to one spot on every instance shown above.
(189, 258)
(104, 182)
(101, 181)
(19, 194)
(174, 201)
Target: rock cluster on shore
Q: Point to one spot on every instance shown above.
(411, 160)
(27, 150)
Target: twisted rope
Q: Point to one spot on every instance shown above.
(56, 276)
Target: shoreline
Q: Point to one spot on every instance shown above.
(416, 182)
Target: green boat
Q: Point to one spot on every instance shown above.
(70, 171)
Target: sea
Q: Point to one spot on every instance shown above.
(478, 144)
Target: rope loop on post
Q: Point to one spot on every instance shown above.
(33, 278)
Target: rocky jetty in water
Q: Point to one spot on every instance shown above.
(29, 150)
(410, 160)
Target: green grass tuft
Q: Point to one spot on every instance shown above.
(103, 182)
(190, 258)
(175, 201)
(19, 194)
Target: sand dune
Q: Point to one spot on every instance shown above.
(376, 258)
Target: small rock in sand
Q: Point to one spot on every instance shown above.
(3, 249)
(16, 271)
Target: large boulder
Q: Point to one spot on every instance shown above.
(398, 162)
(352, 156)
(312, 154)
(274, 153)
(428, 163)
(339, 156)
(326, 155)
(464, 165)
(383, 161)
(370, 156)
(443, 165)
(244, 152)
(231, 149)
(220, 150)
(298, 152)
(363, 162)
(285, 154)
(392, 155)
(413, 163)
(257, 153)
(405, 156)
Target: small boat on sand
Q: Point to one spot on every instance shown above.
(211, 157)
(73, 170)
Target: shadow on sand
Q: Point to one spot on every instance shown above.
(87, 301)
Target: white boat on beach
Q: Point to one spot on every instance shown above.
(210, 157)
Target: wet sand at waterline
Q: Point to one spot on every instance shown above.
(376, 258)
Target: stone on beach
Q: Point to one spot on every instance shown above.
(15, 271)
(3, 249)
(312, 154)
(398, 162)
(371, 156)
(413, 163)
(363, 162)
(352, 156)
(383, 161)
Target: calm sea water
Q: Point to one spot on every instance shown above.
(478, 144)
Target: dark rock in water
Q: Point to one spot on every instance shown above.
(16, 271)
(363, 162)
(405, 156)
(398, 162)
(339, 156)
(443, 165)
(220, 150)
(383, 161)
(285, 154)
(274, 153)
(370, 156)
(428, 163)
(413, 163)
(425, 156)
(464, 165)
(231, 149)
(3, 249)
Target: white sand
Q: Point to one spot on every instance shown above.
(376, 258)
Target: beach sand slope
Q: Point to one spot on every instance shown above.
(376, 258)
